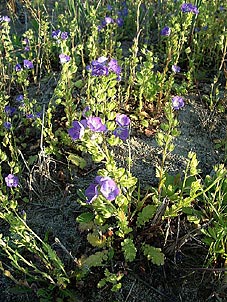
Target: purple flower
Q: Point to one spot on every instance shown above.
(91, 193)
(5, 19)
(166, 31)
(108, 20)
(64, 35)
(177, 102)
(10, 110)
(108, 187)
(123, 12)
(11, 181)
(20, 98)
(113, 66)
(30, 116)
(119, 21)
(77, 131)
(7, 125)
(175, 68)
(18, 67)
(64, 58)
(109, 7)
(26, 42)
(122, 133)
(189, 8)
(99, 70)
(100, 27)
(101, 60)
(122, 120)
(95, 124)
(27, 48)
(38, 114)
(56, 34)
(28, 64)
(101, 67)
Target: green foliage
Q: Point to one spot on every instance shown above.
(145, 215)
(96, 240)
(111, 278)
(55, 95)
(129, 249)
(77, 160)
(214, 201)
(85, 217)
(153, 254)
(96, 259)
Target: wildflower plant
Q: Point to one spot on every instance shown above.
(74, 81)
(110, 197)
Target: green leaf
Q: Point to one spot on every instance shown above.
(3, 156)
(96, 240)
(193, 163)
(187, 50)
(85, 217)
(146, 214)
(116, 287)
(129, 249)
(79, 84)
(154, 254)
(145, 123)
(77, 160)
(96, 259)
(128, 182)
(123, 224)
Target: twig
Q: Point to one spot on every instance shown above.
(58, 242)
(130, 291)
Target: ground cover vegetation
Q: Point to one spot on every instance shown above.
(77, 79)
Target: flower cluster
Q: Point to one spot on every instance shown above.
(7, 125)
(33, 116)
(176, 68)
(119, 21)
(27, 44)
(9, 110)
(122, 131)
(93, 123)
(189, 8)
(20, 98)
(166, 31)
(104, 185)
(27, 65)
(58, 34)
(5, 19)
(101, 67)
(108, 20)
(11, 181)
(64, 58)
(177, 102)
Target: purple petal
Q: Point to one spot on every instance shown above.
(91, 193)
(122, 133)
(108, 188)
(122, 120)
(95, 124)
(11, 181)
